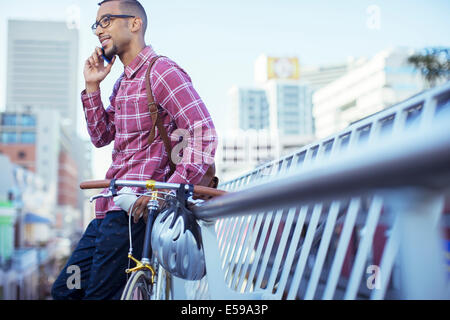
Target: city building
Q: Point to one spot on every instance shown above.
(42, 68)
(31, 140)
(7, 211)
(18, 132)
(42, 210)
(37, 141)
(250, 108)
(269, 119)
(319, 76)
(25, 231)
(241, 150)
(82, 155)
(290, 109)
(289, 99)
(40, 122)
(366, 89)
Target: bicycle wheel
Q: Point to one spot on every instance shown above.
(138, 287)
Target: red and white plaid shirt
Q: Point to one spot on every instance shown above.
(128, 123)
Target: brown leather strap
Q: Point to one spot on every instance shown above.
(209, 178)
(156, 121)
(153, 107)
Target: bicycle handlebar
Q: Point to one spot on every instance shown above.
(101, 184)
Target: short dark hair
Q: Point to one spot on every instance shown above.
(134, 8)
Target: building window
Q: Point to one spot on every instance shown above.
(9, 120)
(9, 137)
(28, 121)
(28, 137)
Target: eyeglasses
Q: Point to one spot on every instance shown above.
(105, 21)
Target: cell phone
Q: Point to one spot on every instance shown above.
(108, 61)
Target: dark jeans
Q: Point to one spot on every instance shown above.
(101, 256)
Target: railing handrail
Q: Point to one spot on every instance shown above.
(410, 159)
(422, 97)
(308, 225)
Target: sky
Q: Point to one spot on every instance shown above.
(217, 42)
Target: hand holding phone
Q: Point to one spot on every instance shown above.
(95, 70)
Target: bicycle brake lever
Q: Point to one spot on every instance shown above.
(103, 195)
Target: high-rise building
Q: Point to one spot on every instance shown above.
(278, 101)
(290, 108)
(366, 89)
(250, 108)
(270, 118)
(42, 68)
(290, 100)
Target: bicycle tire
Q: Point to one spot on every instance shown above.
(138, 287)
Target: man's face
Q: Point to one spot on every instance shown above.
(115, 38)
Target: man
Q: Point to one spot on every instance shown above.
(101, 254)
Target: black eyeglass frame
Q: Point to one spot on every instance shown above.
(107, 24)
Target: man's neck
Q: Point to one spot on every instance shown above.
(128, 56)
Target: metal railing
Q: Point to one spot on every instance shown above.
(355, 216)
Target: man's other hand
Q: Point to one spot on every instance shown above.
(140, 209)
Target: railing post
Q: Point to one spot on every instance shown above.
(218, 290)
(421, 250)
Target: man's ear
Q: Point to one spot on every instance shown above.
(136, 24)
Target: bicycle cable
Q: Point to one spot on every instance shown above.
(130, 250)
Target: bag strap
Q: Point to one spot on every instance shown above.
(209, 178)
(156, 121)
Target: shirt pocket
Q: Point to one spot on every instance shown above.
(136, 116)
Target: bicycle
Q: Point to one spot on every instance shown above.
(149, 280)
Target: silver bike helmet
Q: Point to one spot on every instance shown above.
(176, 240)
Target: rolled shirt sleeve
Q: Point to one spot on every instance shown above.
(100, 121)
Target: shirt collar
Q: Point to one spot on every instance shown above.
(143, 56)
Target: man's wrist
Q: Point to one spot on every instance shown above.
(92, 87)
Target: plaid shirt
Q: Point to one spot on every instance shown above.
(128, 123)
